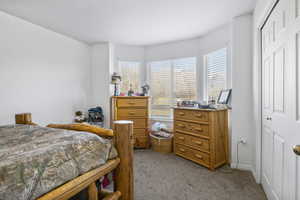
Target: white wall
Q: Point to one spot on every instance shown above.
(105, 57)
(242, 109)
(180, 49)
(130, 53)
(41, 72)
(101, 71)
(193, 47)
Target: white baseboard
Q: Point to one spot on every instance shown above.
(246, 167)
(255, 175)
(242, 166)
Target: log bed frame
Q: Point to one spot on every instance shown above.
(121, 166)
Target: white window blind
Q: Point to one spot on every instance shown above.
(185, 79)
(161, 88)
(171, 80)
(216, 65)
(130, 73)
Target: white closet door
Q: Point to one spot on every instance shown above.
(281, 102)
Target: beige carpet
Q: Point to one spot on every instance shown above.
(169, 177)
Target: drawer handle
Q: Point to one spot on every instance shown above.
(199, 156)
(199, 115)
(131, 113)
(198, 142)
(181, 138)
(181, 113)
(131, 103)
(199, 129)
(182, 150)
(181, 125)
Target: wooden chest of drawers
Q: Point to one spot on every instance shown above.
(201, 135)
(134, 109)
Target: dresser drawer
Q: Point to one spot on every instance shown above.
(137, 123)
(140, 132)
(194, 155)
(181, 114)
(131, 112)
(182, 150)
(198, 143)
(193, 128)
(191, 115)
(181, 138)
(199, 157)
(180, 125)
(191, 141)
(199, 129)
(132, 103)
(198, 116)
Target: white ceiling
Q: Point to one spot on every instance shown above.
(136, 22)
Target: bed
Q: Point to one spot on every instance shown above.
(53, 163)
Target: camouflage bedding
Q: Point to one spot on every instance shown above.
(34, 160)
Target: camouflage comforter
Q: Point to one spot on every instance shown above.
(34, 160)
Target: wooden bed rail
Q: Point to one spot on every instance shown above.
(86, 180)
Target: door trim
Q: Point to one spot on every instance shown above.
(257, 86)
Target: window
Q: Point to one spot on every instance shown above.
(185, 79)
(160, 88)
(170, 81)
(130, 73)
(216, 64)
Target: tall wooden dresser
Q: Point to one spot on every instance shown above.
(201, 135)
(135, 109)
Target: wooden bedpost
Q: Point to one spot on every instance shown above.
(123, 139)
(23, 118)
